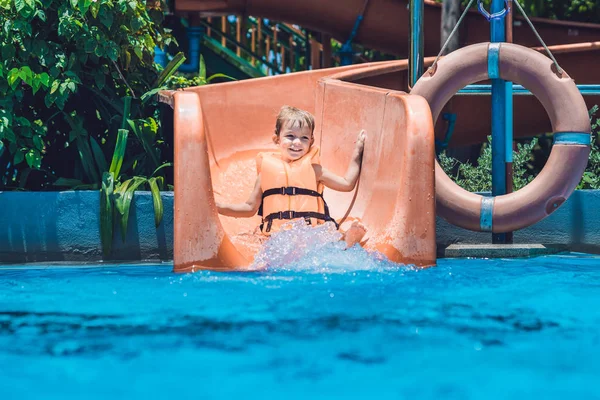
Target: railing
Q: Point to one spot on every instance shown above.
(272, 47)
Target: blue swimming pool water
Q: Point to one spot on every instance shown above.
(467, 329)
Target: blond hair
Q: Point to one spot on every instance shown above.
(295, 117)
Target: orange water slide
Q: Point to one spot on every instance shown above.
(220, 128)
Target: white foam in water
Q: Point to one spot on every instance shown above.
(298, 246)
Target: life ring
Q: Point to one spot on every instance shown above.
(570, 122)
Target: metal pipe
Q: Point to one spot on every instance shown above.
(519, 90)
(417, 43)
(194, 34)
(509, 116)
(498, 34)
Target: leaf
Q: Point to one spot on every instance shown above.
(126, 111)
(33, 158)
(13, 76)
(26, 74)
(41, 15)
(148, 95)
(106, 18)
(98, 155)
(214, 76)
(49, 99)
(38, 142)
(19, 5)
(149, 41)
(112, 52)
(126, 197)
(18, 158)
(202, 71)
(8, 51)
(106, 213)
(127, 59)
(95, 7)
(119, 153)
(156, 200)
(9, 135)
(44, 79)
(138, 52)
(136, 24)
(55, 85)
(85, 155)
(146, 136)
(100, 80)
(90, 45)
(170, 69)
(61, 100)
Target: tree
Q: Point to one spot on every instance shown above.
(450, 15)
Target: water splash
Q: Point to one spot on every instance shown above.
(298, 246)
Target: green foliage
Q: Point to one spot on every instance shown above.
(478, 178)
(65, 69)
(522, 168)
(591, 176)
(180, 81)
(77, 104)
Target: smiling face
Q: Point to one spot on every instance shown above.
(294, 141)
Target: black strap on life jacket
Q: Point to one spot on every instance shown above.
(289, 214)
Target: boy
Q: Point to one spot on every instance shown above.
(290, 182)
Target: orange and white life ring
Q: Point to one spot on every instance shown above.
(570, 122)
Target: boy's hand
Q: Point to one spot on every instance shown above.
(360, 141)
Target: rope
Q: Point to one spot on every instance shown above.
(432, 68)
(343, 219)
(559, 70)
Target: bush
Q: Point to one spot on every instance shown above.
(478, 178)
(67, 68)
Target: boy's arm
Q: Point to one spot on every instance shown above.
(346, 183)
(247, 209)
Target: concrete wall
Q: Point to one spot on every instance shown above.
(64, 226)
(576, 224)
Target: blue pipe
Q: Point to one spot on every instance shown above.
(499, 112)
(497, 34)
(194, 34)
(417, 43)
(508, 107)
(346, 52)
(519, 90)
(160, 57)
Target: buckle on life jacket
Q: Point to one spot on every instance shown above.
(288, 191)
(289, 214)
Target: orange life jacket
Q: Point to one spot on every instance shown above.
(290, 190)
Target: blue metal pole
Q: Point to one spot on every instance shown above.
(499, 93)
(417, 44)
(519, 90)
(194, 34)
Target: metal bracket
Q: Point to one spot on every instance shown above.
(496, 15)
